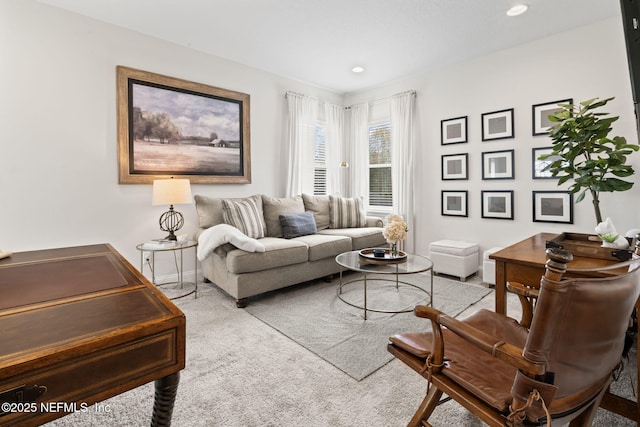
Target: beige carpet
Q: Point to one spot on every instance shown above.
(241, 372)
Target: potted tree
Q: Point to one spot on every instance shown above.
(582, 151)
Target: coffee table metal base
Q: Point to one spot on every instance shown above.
(398, 283)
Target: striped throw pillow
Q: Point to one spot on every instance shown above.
(243, 215)
(346, 212)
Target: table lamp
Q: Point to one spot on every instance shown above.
(171, 192)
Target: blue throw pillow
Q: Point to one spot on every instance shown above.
(299, 224)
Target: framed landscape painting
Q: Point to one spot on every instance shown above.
(173, 127)
(454, 203)
(553, 206)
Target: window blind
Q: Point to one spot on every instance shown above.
(380, 190)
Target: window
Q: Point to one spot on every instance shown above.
(320, 161)
(380, 193)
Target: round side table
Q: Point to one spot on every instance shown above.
(153, 248)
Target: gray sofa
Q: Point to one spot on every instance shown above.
(279, 257)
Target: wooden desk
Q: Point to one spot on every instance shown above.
(78, 326)
(524, 262)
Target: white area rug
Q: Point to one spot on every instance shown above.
(313, 316)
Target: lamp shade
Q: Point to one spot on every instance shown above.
(171, 192)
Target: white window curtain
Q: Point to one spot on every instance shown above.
(358, 176)
(335, 131)
(402, 154)
(303, 115)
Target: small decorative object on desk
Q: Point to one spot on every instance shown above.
(395, 231)
(610, 237)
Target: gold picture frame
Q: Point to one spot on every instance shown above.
(173, 127)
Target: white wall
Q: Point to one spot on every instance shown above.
(58, 159)
(58, 152)
(580, 64)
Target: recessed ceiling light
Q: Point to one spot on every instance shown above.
(518, 9)
(357, 69)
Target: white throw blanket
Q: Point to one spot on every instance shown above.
(220, 234)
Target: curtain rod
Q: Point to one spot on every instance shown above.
(287, 93)
(410, 92)
(373, 101)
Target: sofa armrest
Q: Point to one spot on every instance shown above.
(374, 221)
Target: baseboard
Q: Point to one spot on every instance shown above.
(187, 276)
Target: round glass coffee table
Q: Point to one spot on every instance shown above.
(390, 272)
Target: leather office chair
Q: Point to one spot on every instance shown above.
(508, 374)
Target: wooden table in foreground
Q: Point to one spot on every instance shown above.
(524, 262)
(80, 325)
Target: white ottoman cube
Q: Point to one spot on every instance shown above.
(454, 257)
(489, 267)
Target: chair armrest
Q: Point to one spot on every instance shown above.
(485, 342)
(528, 297)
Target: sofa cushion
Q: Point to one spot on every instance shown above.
(274, 207)
(346, 212)
(319, 205)
(243, 215)
(296, 225)
(278, 253)
(323, 246)
(361, 238)
(209, 210)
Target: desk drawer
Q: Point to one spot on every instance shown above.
(97, 376)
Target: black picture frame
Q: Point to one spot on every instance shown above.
(497, 204)
(498, 164)
(455, 167)
(453, 131)
(552, 206)
(538, 165)
(497, 125)
(540, 123)
(454, 203)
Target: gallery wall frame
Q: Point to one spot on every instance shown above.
(537, 165)
(497, 204)
(540, 115)
(454, 203)
(455, 166)
(169, 127)
(552, 206)
(497, 125)
(498, 164)
(453, 131)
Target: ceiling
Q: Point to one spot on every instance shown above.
(319, 41)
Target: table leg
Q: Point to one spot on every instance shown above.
(431, 294)
(397, 283)
(365, 296)
(166, 390)
(195, 280)
(153, 267)
(501, 287)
